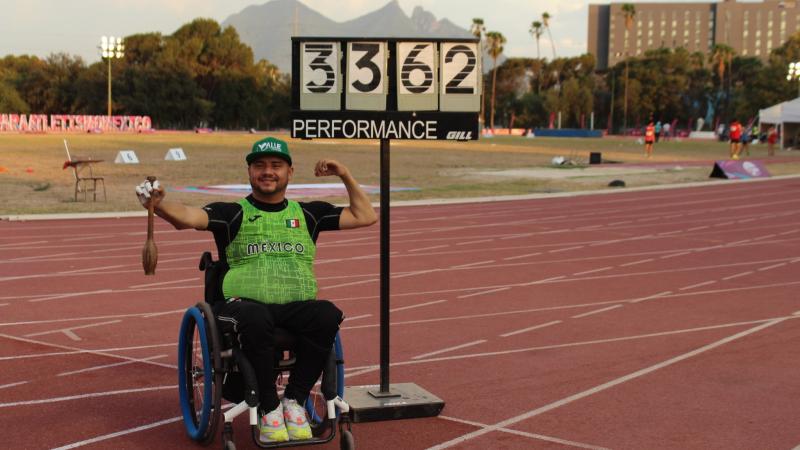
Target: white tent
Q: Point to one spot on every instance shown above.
(786, 117)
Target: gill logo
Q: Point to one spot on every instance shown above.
(459, 135)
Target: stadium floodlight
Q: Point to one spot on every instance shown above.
(794, 74)
(110, 48)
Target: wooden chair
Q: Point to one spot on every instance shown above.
(85, 179)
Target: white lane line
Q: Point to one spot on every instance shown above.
(597, 311)
(66, 330)
(749, 272)
(605, 386)
(428, 248)
(78, 352)
(84, 238)
(698, 228)
(521, 256)
(642, 261)
(362, 316)
(619, 223)
(462, 266)
(165, 313)
(83, 396)
(106, 366)
(449, 349)
(90, 269)
(76, 319)
(705, 283)
(594, 270)
(650, 297)
(119, 433)
(774, 266)
(403, 308)
(73, 294)
(525, 330)
(675, 255)
(565, 249)
(21, 244)
(136, 286)
(540, 437)
(531, 283)
(484, 292)
(12, 384)
(475, 242)
(4, 304)
(70, 334)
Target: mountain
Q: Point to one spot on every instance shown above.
(268, 28)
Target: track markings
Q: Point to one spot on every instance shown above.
(74, 294)
(500, 289)
(419, 305)
(163, 283)
(605, 386)
(742, 274)
(510, 258)
(69, 331)
(463, 266)
(704, 283)
(597, 311)
(586, 272)
(650, 297)
(525, 330)
(18, 383)
(85, 396)
(540, 437)
(120, 433)
(642, 261)
(774, 266)
(362, 316)
(106, 366)
(449, 349)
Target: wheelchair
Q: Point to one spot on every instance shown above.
(212, 367)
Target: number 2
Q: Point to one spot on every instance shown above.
(453, 86)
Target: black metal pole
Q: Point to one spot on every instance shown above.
(385, 273)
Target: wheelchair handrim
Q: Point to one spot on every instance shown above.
(195, 430)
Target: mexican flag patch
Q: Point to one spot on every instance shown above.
(292, 223)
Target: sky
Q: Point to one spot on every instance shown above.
(42, 27)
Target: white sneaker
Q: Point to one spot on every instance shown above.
(272, 426)
(296, 421)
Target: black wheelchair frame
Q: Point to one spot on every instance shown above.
(211, 366)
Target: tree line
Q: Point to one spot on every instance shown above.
(203, 75)
(670, 85)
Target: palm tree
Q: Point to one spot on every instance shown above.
(629, 12)
(494, 42)
(721, 55)
(546, 21)
(536, 30)
(478, 29)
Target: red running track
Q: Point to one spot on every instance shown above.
(651, 319)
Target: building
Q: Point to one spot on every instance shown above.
(751, 29)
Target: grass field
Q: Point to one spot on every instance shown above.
(32, 179)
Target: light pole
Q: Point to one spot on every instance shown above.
(794, 74)
(111, 48)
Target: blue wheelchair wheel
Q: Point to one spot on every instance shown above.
(331, 385)
(199, 383)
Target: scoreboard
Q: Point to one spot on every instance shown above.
(386, 88)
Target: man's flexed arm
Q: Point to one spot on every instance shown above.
(179, 215)
(360, 212)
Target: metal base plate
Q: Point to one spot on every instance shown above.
(407, 401)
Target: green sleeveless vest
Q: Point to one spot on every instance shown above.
(271, 259)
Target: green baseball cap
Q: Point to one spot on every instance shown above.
(269, 146)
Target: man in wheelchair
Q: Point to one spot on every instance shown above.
(266, 246)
